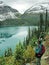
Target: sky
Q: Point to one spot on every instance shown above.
(21, 5)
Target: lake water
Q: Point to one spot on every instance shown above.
(10, 36)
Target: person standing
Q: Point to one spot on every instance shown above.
(39, 51)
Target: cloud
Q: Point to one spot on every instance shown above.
(20, 7)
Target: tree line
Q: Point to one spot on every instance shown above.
(43, 24)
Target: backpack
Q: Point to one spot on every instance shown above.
(38, 55)
(42, 50)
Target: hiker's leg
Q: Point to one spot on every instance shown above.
(38, 61)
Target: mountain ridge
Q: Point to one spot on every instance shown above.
(7, 12)
(38, 7)
(32, 15)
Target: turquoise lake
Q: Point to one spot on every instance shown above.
(10, 37)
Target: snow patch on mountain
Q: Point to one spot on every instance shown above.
(8, 15)
(6, 12)
(38, 7)
(2, 3)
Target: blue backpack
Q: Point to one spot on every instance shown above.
(40, 51)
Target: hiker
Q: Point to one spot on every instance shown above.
(39, 51)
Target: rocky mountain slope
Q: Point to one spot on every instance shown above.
(10, 16)
(32, 15)
(38, 8)
(6, 12)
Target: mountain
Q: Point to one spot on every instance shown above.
(32, 15)
(38, 7)
(9, 16)
(7, 12)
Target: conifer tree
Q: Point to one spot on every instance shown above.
(41, 22)
(27, 41)
(24, 43)
(29, 53)
(28, 36)
(8, 51)
(19, 51)
(29, 33)
(46, 22)
(5, 53)
(18, 55)
(32, 33)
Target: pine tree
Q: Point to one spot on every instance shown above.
(38, 32)
(27, 41)
(29, 33)
(5, 54)
(2, 61)
(10, 51)
(19, 42)
(46, 22)
(32, 33)
(28, 36)
(29, 53)
(24, 43)
(41, 22)
(18, 53)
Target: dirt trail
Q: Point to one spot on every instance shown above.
(45, 57)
